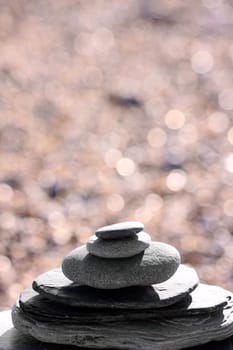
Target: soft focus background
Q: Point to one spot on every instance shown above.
(110, 111)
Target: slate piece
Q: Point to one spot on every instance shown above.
(12, 339)
(120, 230)
(55, 286)
(204, 299)
(118, 248)
(155, 265)
(172, 333)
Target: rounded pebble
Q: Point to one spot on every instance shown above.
(56, 287)
(118, 248)
(155, 265)
(120, 230)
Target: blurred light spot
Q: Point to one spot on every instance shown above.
(115, 203)
(202, 62)
(32, 225)
(176, 180)
(228, 207)
(143, 214)
(103, 39)
(188, 134)
(7, 221)
(175, 155)
(156, 137)
(230, 135)
(125, 167)
(137, 182)
(54, 90)
(229, 163)
(14, 290)
(174, 119)
(154, 202)
(38, 244)
(6, 193)
(225, 99)
(56, 218)
(46, 177)
(62, 234)
(6, 23)
(83, 233)
(112, 156)
(92, 77)
(210, 4)
(218, 122)
(5, 264)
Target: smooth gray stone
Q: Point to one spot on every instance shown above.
(204, 299)
(118, 248)
(55, 286)
(172, 333)
(12, 339)
(155, 265)
(120, 230)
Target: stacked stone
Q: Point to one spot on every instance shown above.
(119, 256)
(123, 291)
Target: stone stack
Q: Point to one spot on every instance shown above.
(123, 291)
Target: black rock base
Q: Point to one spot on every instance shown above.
(205, 315)
(12, 339)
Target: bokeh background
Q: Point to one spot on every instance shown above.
(110, 111)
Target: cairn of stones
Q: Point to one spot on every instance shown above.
(123, 291)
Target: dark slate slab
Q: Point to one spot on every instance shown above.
(203, 300)
(120, 230)
(12, 339)
(55, 286)
(155, 265)
(171, 333)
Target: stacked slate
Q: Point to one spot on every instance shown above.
(123, 291)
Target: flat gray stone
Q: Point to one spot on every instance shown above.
(170, 333)
(155, 265)
(56, 287)
(120, 230)
(118, 248)
(204, 299)
(12, 339)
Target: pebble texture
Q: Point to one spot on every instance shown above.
(55, 286)
(120, 230)
(170, 333)
(156, 264)
(118, 248)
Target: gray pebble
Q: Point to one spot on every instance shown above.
(56, 287)
(156, 264)
(118, 248)
(120, 230)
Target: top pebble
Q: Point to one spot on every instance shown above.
(120, 230)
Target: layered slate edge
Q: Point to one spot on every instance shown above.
(118, 300)
(204, 315)
(56, 287)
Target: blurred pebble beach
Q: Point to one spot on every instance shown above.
(112, 111)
